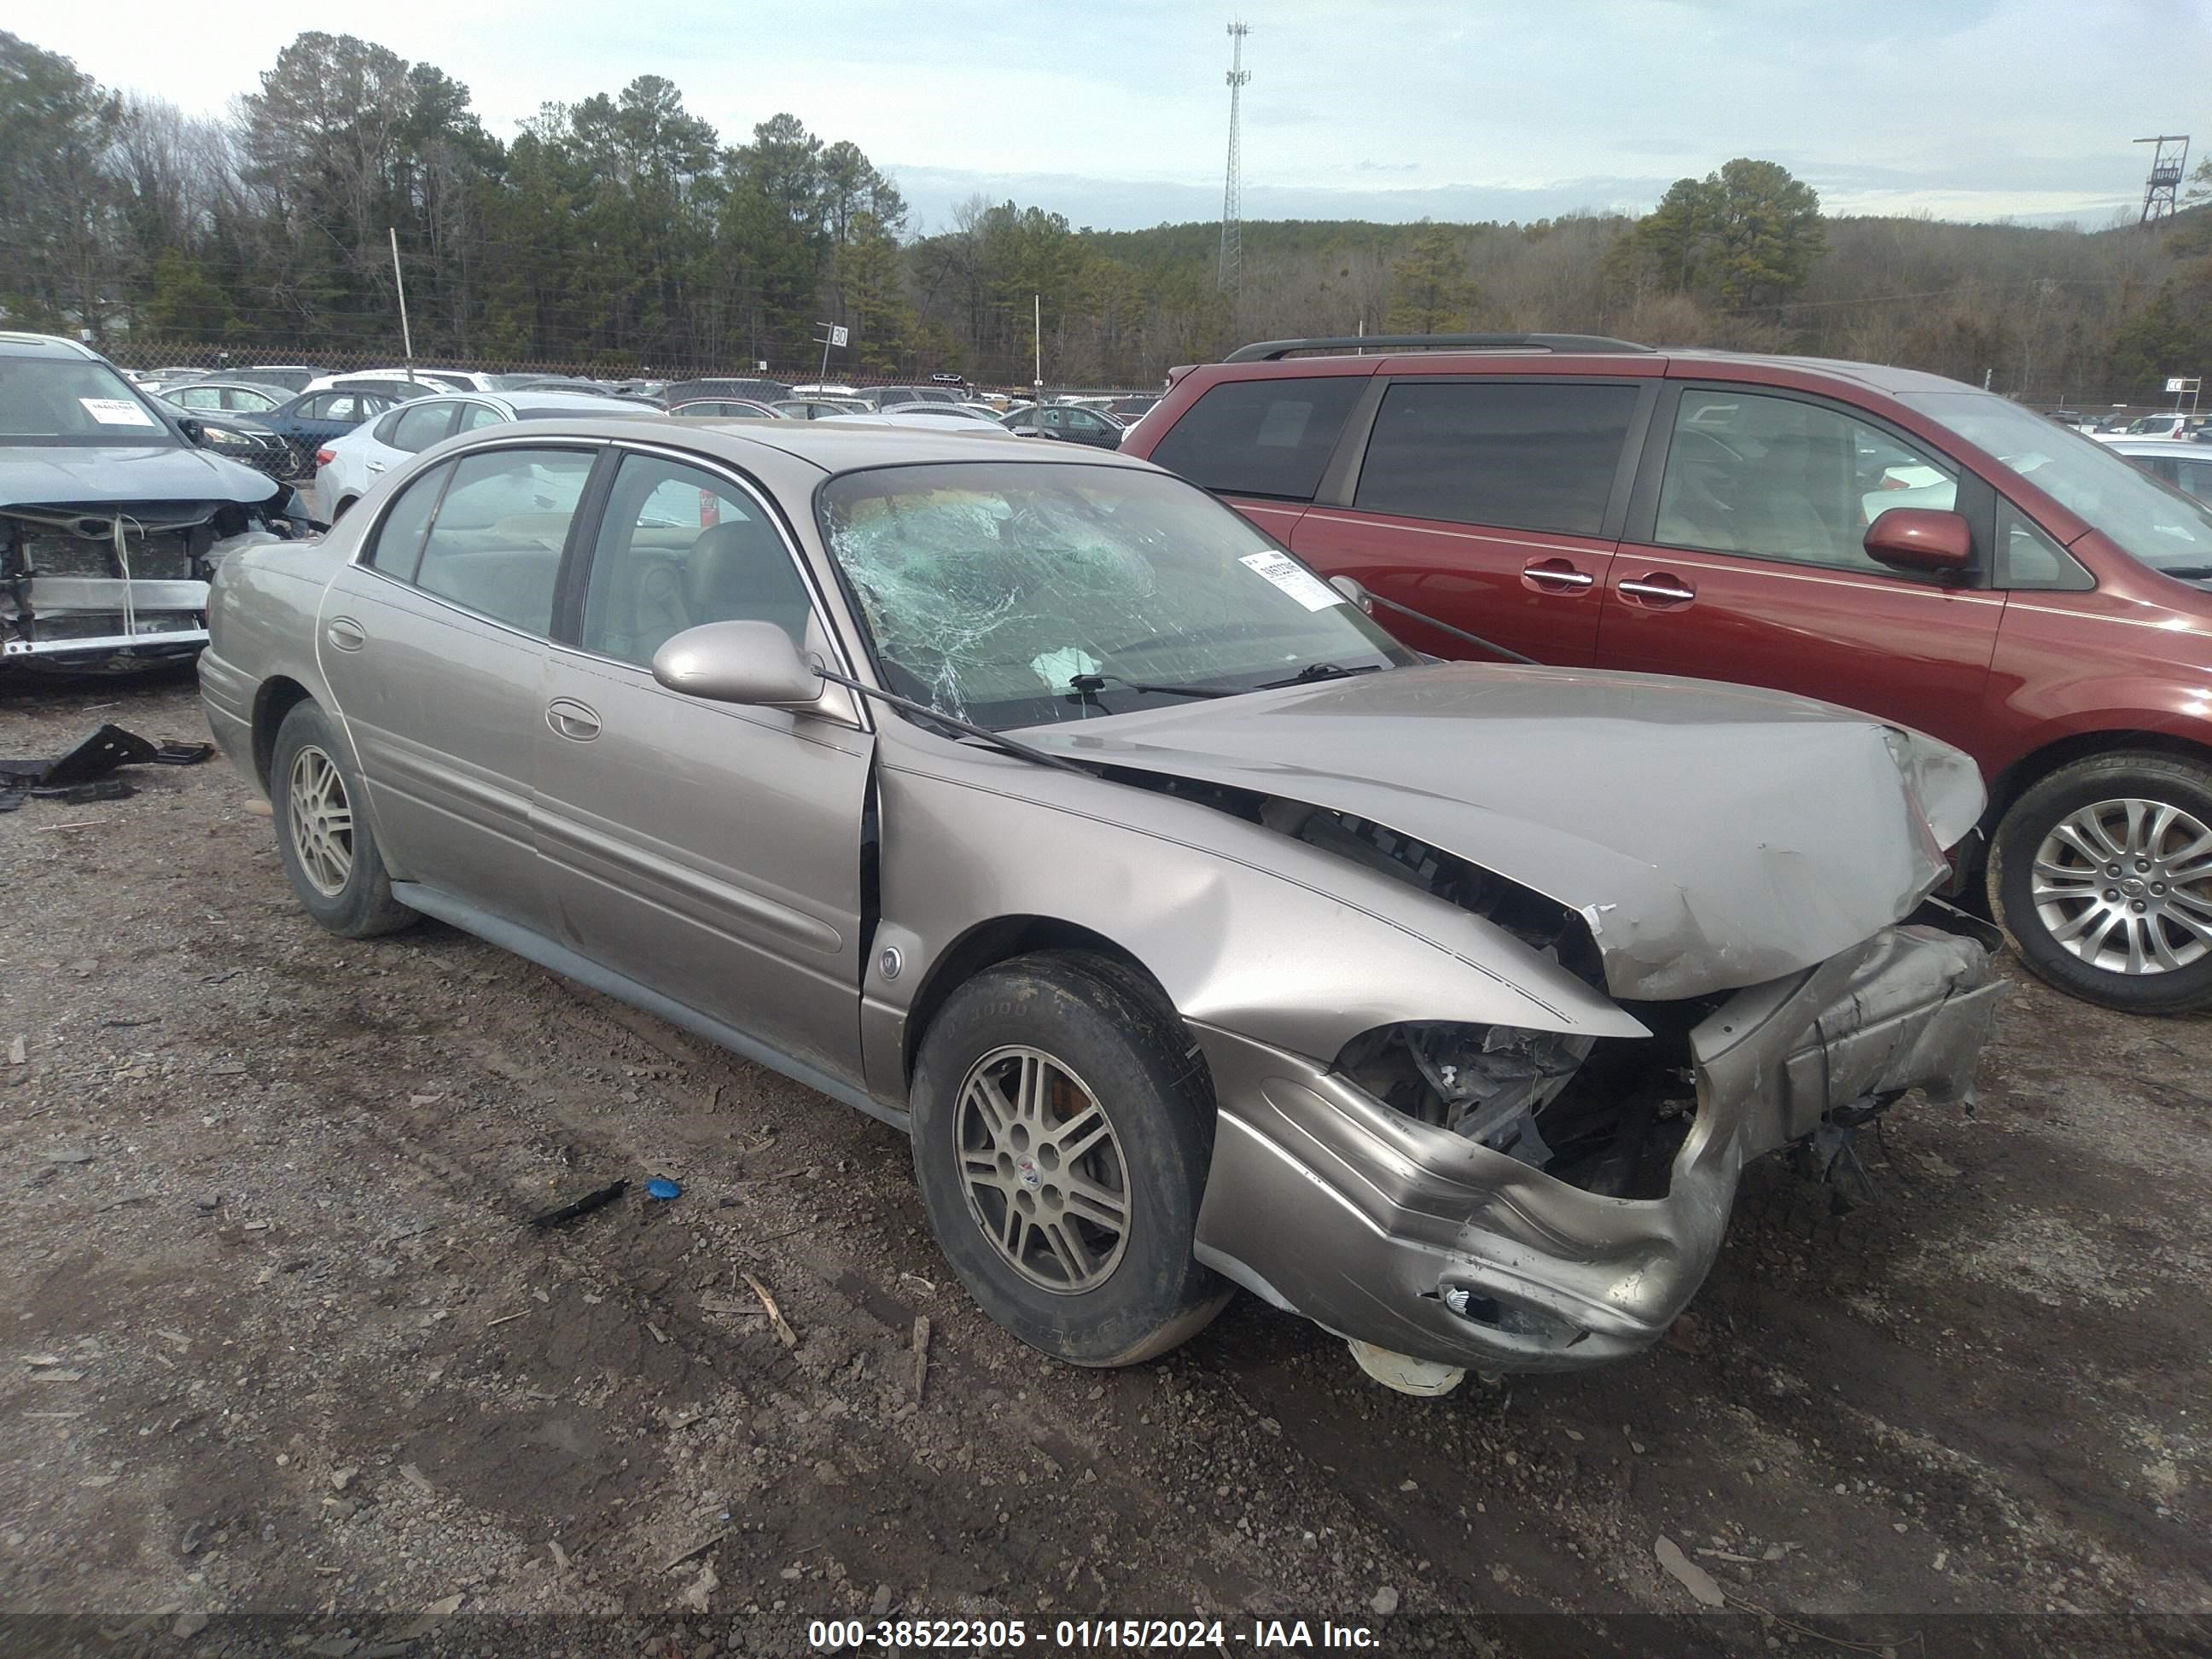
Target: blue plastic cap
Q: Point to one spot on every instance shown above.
(662, 1187)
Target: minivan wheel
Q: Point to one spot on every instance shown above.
(322, 837)
(1061, 1137)
(2102, 873)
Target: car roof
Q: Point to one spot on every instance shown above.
(1880, 377)
(14, 344)
(2184, 447)
(833, 446)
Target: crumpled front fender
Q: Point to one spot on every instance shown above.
(1323, 1200)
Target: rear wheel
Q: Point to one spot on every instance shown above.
(1061, 1138)
(2102, 873)
(322, 837)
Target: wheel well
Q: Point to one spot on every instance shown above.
(1002, 939)
(277, 698)
(2024, 773)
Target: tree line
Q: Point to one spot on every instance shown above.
(624, 233)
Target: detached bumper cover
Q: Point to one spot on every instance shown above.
(1324, 1201)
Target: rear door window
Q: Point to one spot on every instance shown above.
(1517, 455)
(420, 425)
(2195, 478)
(1270, 437)
(495, 546)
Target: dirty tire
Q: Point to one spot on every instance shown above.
(2170, 780)
(363, 907)
(1108, 1026)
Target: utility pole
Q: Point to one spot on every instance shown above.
(1036, 345)
(406, 334)
(1231, 278)
(2169, 156)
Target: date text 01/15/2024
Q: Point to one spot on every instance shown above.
(1007, 1635)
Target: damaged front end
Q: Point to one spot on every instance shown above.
(1501, 1200)
(1506, 1198)
(108, 587)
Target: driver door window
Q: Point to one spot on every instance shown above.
(1777, 479)
(678, 547)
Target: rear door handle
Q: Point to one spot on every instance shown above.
(376, 467)
(345, 634)
(1660, 589)
(572, 719)
(1556, 576)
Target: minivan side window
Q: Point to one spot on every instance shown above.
(2026, 558)
(1781, 478)
(1270, 437)
(495, 546)
(1520, 455)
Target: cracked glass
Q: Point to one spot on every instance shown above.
(990, 589)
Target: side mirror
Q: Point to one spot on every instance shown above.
(743, 662)
(194, 431)
(1921, 539)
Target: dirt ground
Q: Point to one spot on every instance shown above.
(279, 1336)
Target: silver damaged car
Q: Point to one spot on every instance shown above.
(1200, 935)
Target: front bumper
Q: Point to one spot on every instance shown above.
(1325, 1201)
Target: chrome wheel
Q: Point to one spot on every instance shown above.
(2126, 885)
(320, 816)
(1042, 1172)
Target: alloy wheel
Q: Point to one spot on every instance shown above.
(321, 818)
(2126, 885)
(1043, 1174)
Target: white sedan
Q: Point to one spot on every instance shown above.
(347, 467)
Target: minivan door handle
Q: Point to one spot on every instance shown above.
(572, 719)
(1661, 589)
(345, 634)
(1556, 576)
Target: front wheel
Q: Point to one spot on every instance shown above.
(2102, 873)
(1062, 1130)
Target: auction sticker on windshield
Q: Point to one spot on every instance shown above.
(1301, 584)
(117, 412)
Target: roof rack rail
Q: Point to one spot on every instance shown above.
(1268, 351)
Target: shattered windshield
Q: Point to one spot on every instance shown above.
(2161, 526)
(991, 589)
(74, 400)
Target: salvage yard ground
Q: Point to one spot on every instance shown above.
(279, 1335)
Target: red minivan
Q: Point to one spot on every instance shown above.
(1878, 537)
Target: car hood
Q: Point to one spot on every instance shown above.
(1712, 837)
(33, 475)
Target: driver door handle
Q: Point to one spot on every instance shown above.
(345, 634)
(572, 719)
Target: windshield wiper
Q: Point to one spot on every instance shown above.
(1085, 685)
(953, 723)
(2187, 573)
(1315, 672)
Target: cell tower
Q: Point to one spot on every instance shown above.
(2167, 160)
(1232, 247)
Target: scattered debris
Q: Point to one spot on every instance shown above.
(921, 1353)
(882, 1604)
(188, 1624)
(415, 1477)
(560, 1556)
(506, 1319)
(777, 1322)
(662, 1187)
(341, 1479)
(84, 772)
(69, 1154)
(584, 1205)
(444, 1605)
(62, 1375)
(694, 1594)
(697, 1549)
(19, 1050)
(1686, 1572)
(1385, 1603)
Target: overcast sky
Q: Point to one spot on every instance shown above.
(1116, 114)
